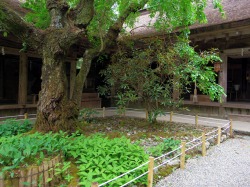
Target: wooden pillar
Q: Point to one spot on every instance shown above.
(1, 78)
(23, 79)
(72, 77)
(223, 75)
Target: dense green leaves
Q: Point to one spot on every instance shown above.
(39, 14)
(101, 159)
(169, 14)
(97, 157)
(23, 150)
(12, 127)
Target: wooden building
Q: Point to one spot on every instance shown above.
(231, 35)
(20, 78)
(20, 71)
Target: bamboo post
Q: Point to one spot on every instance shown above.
(196, 120)
(231, 128)
(103, 112)
(183, 154)
(171, 116)
(94, 184)
(25, 116)
(203, 150)
(219, 136)
(150, 171)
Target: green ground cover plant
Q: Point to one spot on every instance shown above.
(96, 157)
(12, 127)
(165, 146)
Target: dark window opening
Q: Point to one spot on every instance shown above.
(238, 79)
(9, 77)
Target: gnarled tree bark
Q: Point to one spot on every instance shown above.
(56, 110)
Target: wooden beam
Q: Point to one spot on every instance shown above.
(23, 79)
(15, 51)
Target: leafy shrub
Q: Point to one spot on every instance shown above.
(11, 127)
(167, 145)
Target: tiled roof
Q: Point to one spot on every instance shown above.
(235, 10)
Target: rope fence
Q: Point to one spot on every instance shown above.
(179, 152)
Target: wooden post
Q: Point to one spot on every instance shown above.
(94, 184)
(183, 154)
(196, 120)
(25, 116)
(150, 171)
(103, 112)
(146, 111)
(219, 136)
(231, 129)
(171, 116)
(23, 79)
(203, 150)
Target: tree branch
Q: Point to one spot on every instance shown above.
(57, 10)
(12, 22)
(83, 13)
(115, 29)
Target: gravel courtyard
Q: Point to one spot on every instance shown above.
(227, 165)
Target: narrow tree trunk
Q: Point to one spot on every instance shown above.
(55, 111)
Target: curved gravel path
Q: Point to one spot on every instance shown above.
(226, 165)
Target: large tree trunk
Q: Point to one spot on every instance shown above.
(55, 110)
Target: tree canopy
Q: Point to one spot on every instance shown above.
(53, 27)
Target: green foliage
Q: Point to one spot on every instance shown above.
(87, 114)
(62, 169)
(167, 145)
(152, 74)
(39, 15)
(101, 159)
(12, 127)
(170, 14)
(23, 150)
(97, 157)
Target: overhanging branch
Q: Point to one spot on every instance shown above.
(84, 13)
(115, 29)
(12, 22)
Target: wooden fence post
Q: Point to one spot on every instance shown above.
(203, 150)
(150, 171)
(231, 129)
(103, 112)
(171, 116)
(183, 154)
(94, 184)
(196, 120)
(219, 136)
(25, 116)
